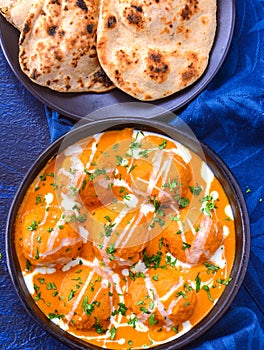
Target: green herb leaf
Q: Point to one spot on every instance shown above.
(122, 309)
(224, 282)
(207, 289)
(71, 295)
(33, 226)
(113, 333)
(210, 267)
(197, 282)
(51, 316)
(163, 144)
(183, 202)
(155, 277)
(185, 245)
(132, 322)
(196, 190)
(152, 321)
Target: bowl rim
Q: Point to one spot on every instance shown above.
(228, 181)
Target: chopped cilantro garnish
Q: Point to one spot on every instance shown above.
(51, 316)
(28, 265)
(185, 245)
(224, 282)
(209, 205)
(89, 308)
(163, 144)
(108, 229)
(197, 283)
(132, 168)
(196, 190)
(51, 286)
(210, 267)
(155, 277)
(71, 294)
(33, 226)
(144, 310)
(132, 322)
(171, 184)
(115, 147)
(37, 254)
(38, 198)
(170, 262)
(174, 218)
(119, 160)
(152, 321)
(207, 289)
(183, 202)
(113, 333)
(153, 260)
(121, 309)
(175, 329)
(99, 329)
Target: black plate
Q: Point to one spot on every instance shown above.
(78, 105)
(221, 171)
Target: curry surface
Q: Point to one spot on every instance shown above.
(126, 239)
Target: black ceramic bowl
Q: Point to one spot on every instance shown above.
(220, 170)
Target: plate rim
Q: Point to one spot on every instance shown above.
(55, 100)
(241, 258)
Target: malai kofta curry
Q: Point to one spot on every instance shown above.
(126, 239)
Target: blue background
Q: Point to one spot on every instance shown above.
(228, 115)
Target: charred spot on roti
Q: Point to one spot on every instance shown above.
(190, 8)
(58, 54)
(204, 20)
(26, 28)
(82, 5)
(61, 33)
(192, 70)
(34, 74)
(126, 60)
(157, 67)
(134, 16)
(57, 2)
(90, 28)
(184, 31)
(148, 97)
(102, 78)
(111, 22)
(80, 81)
(67, 80)
(52, 30)
(137, 8)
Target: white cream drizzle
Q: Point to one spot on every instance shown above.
(218, 257)
(229, 212)
(173, 289)
(28, 278)
(208, 177)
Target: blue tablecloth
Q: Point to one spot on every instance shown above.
(228, 115)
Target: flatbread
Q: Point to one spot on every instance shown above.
(153, 48)
(57, 46)
(15, 11)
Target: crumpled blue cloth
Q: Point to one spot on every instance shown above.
(228, 115)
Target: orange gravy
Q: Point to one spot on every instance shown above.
(126, 240)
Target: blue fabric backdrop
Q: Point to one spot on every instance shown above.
(228, 115)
